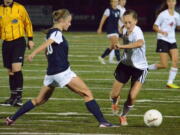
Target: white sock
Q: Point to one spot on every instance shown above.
(126, 109)
(111, 55)
(152, 67)
(172, 75)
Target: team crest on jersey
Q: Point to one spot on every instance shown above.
(171, 24)
(0, 17)
(14, 21)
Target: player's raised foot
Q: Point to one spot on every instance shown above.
(8, 121)
(174, 86)
(106, 124)
(101, 60)
(7, 102)
(115, 109)
(123, 120)
(113, 62)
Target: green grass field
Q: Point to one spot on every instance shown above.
(65, 111)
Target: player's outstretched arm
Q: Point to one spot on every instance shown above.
(40, 48)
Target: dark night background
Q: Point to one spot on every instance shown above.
(87, 13)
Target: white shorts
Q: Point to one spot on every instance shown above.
(113, 34)
(60, 79)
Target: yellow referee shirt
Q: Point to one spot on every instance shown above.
(14, 22)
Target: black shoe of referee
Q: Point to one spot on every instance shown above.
(8, 102)
(17, 103)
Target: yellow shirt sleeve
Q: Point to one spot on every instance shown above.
(27, 23)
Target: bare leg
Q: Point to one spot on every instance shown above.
(79, 87)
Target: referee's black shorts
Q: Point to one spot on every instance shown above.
(13, 52)
(123, 73)
(165, 47)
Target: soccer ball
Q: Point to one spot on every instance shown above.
(153, 118)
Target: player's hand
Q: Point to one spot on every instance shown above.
(118, 46)
(30, 57)
(30, 44)
(164, 33)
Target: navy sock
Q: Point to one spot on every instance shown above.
(106, 52)
(114, 100)
(12, 86)
(117, 53)
(25, 108)
(93, 107)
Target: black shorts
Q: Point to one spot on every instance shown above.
(123, 73)
(13, 52)
(163, 46)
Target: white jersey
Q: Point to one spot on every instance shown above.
(135, 57)
(167, 23)
(122, 11)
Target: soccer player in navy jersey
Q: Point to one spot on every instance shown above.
(121, 7)
(111, 16)
(59, 72)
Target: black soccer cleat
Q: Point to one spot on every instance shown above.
(8, 102)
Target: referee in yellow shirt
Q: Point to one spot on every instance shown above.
(15, 24)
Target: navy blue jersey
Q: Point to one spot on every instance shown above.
(57, 53)
(112, 20)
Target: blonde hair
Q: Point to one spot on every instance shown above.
(60, 14)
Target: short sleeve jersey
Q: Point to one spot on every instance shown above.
(122, 11)
(57, 52)
(167, 23)
(112, 20)
(135, 57)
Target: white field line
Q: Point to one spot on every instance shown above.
(107, 100)
(80, 60)
(91, 56)
(84, 71)
(42, 77)
(84, 114)
(42, 133)
(94, 88)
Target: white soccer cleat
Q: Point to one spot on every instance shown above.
(123, 120)
(101, 60)
(8, 121)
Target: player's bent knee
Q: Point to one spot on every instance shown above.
(88, 95)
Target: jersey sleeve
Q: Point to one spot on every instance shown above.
(56, 36)
(107, 12)
(27, 22)
(159, 20)
(139, 35)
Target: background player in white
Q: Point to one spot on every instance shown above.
(132, 66)
(121, 7)
(167, 21)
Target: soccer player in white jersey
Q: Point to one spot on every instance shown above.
(121, 7)
(166, 23)
(132, 66)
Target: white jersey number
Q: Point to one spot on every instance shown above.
(49, 50)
